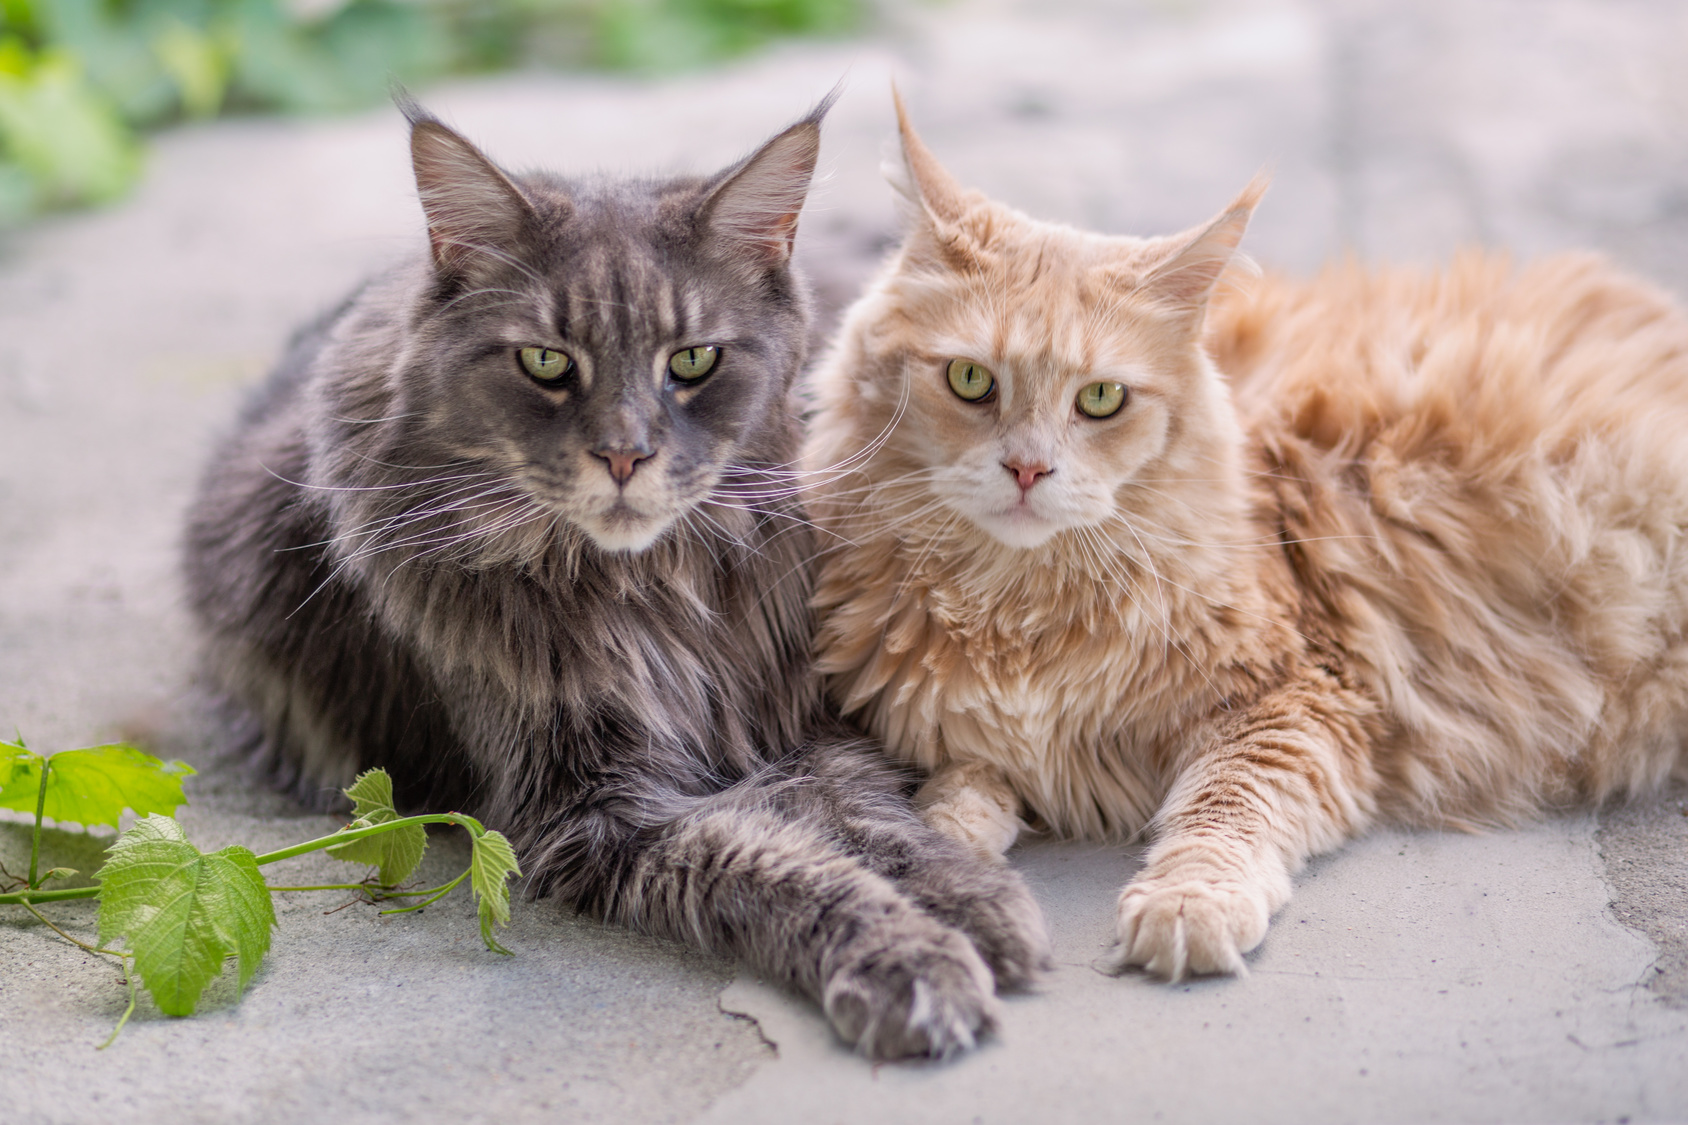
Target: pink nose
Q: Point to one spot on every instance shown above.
(621, 462)
(1026, 475)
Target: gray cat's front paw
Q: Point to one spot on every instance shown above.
(1007, 926)
(918, 994)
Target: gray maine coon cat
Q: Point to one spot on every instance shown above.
(516, 522)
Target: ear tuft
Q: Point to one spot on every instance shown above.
(1187, 276)
(757, 201)
(474, 210)
(928, 183)
(948, 226)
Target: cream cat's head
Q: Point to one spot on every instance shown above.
(1028, 372)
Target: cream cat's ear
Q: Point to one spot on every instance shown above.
(473, 208)
(943, 218)
(756, 203)
(1185, 278)
(929, 183)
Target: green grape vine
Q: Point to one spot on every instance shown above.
(173, 915)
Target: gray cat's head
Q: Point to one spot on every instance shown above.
(611, 348)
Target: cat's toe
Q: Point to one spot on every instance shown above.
(1008, 929)
(989, 902)
(920, 995)
(1177, 928)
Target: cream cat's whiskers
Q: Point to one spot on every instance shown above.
(807, 479)
(1098, 549)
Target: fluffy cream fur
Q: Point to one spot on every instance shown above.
(1393, 545)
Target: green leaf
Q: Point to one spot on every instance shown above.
(93, 786)
(60, 130)
(396, 852)
(58, 873)
(182, 912)
(491, 864)
(15, 756)
(196, 63)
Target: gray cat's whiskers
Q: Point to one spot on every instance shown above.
(459, 500)
(516, 296)
(374, 545)
(433, 532)
(376, 422)
(500, 256)
(394, 486)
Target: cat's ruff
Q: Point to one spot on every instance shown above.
(1382, 546)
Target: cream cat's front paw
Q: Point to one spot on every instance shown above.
(1177, 925)
(971, 802)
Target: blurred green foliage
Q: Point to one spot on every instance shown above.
(80, 78)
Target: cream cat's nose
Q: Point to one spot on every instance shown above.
(1027, 474)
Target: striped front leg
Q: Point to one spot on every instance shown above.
(1283, 779)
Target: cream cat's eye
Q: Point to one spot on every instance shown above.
(1099, 400)
(546, 364)
(691, 364)
(970, 381)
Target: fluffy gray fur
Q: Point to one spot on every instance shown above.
(580, 609)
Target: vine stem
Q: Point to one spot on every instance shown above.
(122, 960)
(74, 941)
(469, 823)
(24, 898)
(343, 837)
(128, 979)
(435, 894)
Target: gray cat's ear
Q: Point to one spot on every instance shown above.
(1185, 278)
(756, 203)
(473, 208)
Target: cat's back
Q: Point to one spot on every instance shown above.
(1481, 477)
(1481, 353)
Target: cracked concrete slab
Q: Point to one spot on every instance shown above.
(1414, 977)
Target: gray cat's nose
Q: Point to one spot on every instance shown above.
(622, 462)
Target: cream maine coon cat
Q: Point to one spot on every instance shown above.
(1249, 568)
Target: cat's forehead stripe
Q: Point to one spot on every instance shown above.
(665, 304)
(1024, 335)
(611, 299)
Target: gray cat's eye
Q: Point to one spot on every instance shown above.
(1100, 400)
(688, 365)
(971, 381)
(546, 364)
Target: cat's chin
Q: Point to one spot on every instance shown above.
(1018, 529)
(626, 535)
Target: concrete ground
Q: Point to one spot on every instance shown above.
(1536, 975)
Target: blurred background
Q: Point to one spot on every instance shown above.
(81, 80)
